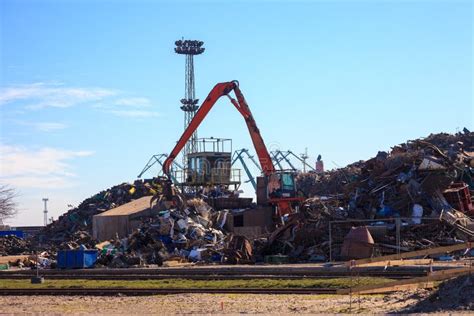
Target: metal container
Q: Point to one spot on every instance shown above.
(76, 259)
(17, 233)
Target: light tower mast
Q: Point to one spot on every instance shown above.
(45, 200)
(189, 48)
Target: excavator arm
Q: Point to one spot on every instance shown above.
(241, 105)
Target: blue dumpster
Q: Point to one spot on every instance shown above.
(76, 259)
(17, 233)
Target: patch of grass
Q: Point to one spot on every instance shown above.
(186, 283)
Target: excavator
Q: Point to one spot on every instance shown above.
(279, 186)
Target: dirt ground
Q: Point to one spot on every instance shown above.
(213, 304)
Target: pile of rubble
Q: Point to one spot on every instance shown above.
(425, 164)
(193, 233)
(12, 245)
(75, 226)
(411, 182)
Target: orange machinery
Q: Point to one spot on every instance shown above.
(280, 187)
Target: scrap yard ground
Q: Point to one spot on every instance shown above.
(402, 302)
(208, 303)
(452, 296)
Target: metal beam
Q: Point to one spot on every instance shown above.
(158, 159)
(275, 159)
(238, 156)
(285, 157)
(153, 160)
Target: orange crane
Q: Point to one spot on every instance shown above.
(280, 186)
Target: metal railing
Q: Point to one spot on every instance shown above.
(216, 176)
(220, 145)
(397, 221)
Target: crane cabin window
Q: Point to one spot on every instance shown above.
(287, 181)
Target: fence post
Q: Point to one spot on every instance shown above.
(397, 227)
(330, 243)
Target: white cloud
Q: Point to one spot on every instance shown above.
(49, 126)
(42, 126)
(134, 113)
(37, 168)
(41, 95)
(51, 182)
(136, 108)
(134, 102)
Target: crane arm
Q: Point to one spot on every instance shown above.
(241, 105)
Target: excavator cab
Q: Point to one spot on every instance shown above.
(279, 189)
(281, 184)
(281, 192)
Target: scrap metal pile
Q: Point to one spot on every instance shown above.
(418, 182)
(74, 227)
(390, 174)
(13, 245)
(411, 182)
(193, 233)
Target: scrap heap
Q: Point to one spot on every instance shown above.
(74, 227)
(191, 234)
(411, 181)
(13, 245)
(445, 152)
(194, 232)
(419, 182)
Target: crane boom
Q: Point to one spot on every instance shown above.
(241, 105)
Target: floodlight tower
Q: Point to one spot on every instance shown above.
(45, 200)
(189, 48)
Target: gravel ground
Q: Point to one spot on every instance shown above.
(211, 304)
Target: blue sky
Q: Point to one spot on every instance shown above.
(91, 89)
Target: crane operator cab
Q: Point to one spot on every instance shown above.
(281, 185)
(279, 189)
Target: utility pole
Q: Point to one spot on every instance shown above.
(45, 200)
(304, 156)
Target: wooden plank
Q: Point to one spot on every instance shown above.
(135, 206)
(450, 272)
(405, 287)
(435, 276)
(411, 254)
(6, 259)
(398, 263)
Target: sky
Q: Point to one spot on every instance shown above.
(89, 90)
